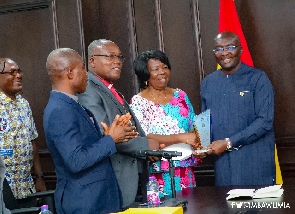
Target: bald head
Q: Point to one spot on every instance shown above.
(4, 63)
(229, 36)
(8, 60)
(61, 59)
(67, 71)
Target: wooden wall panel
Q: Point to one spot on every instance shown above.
(145, 25)
(30, 34)
(208, 28)
(272, 44)
(32, 30)
(112, 20)
(180, 46)
(271, 39)
(286, 151)
(69, 25)
(24, 42)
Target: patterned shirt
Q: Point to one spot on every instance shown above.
(172, 118)
(17, 130)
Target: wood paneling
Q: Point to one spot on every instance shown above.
(180, 46)
(113, 20)
(147, 25)
(28, 42)
(286, 151)
(183, 29)
(30, 31)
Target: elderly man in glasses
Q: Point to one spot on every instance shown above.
(241, 100)
(105, 62)
(17, 133)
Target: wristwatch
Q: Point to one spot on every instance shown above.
(228, 144)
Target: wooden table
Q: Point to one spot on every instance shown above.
(212, 200)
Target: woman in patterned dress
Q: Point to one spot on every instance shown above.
(166, 115)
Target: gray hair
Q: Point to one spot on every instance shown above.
(99, 43)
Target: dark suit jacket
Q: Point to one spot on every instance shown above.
(86, 182)
(100, 100)
(3, 209)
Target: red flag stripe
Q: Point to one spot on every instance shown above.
(229, 21)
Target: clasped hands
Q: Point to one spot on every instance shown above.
(120, 130)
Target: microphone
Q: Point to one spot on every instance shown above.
(157, 153)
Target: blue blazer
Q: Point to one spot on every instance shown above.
(86, 182)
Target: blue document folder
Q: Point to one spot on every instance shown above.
(202, 122)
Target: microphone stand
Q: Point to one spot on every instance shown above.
(171, 173)
(173, 202)
(170, 202)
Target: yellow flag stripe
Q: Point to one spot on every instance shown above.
(279, 179)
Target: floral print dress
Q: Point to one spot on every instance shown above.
(172, 118)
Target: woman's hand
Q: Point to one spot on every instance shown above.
(200, 155)
(191, 139)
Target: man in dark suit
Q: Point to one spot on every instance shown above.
(86, 182)
(241, 102)
(105, 63)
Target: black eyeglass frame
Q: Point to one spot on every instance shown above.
(12, 72)
(111, 56)
(226, 48)
(2, 72)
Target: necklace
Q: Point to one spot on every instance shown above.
(158, 97)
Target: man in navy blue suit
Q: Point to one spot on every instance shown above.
(241, 102)
(86, 182)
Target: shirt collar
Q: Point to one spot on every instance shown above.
(108, 84)
(4, 99)
(70, 95)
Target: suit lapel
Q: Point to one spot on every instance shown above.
(94, 122)
(123, 109)
(108, 93)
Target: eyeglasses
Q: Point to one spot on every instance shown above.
(229, 48)
(111, 56)
(13, 72)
